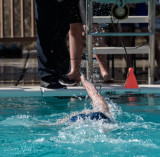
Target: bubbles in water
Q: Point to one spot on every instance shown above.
(39, 140)
(80, 132)
(96, 75)
(114, 109)
(23, 120)
(80, 98)
(94, 50)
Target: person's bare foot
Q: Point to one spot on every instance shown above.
(107, 79)
(75, 77)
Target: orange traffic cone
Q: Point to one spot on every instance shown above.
(131, 81)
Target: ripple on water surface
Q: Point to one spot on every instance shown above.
(28, 127)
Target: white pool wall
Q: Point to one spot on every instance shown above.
(74, 91)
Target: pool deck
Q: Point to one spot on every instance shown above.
(12, 68)
(29, 85)
(75, 91)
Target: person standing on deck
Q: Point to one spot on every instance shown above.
(52, 18)
(77, 20)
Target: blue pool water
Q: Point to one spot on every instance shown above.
(28, 127)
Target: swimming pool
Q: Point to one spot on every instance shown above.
(28, 127)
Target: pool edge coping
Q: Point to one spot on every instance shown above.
(13, 91)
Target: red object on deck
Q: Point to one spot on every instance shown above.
(131, 81)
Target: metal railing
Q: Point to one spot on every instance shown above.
(150, 50)
(17, 22)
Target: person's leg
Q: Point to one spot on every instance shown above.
(75, 45)
(102, 62)
(101, 58)
(101, 10)
(52, 27)
(76, 48)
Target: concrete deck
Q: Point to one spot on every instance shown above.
(11, 69)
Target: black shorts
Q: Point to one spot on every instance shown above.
(75, 15)
(101, 9)
(98, 10)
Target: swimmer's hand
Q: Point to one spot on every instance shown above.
(98, 100)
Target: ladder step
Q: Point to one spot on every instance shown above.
(130, 19)
(120, 50)
(120, 34)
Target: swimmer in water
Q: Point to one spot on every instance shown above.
(100, 109)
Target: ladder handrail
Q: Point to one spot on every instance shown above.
(150, 33)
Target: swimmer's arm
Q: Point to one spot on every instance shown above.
(60, 121)
(91, 90)
(94, 95)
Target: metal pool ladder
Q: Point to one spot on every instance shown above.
(150, 49)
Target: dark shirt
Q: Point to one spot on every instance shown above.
(82, 8)
(99, 9)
